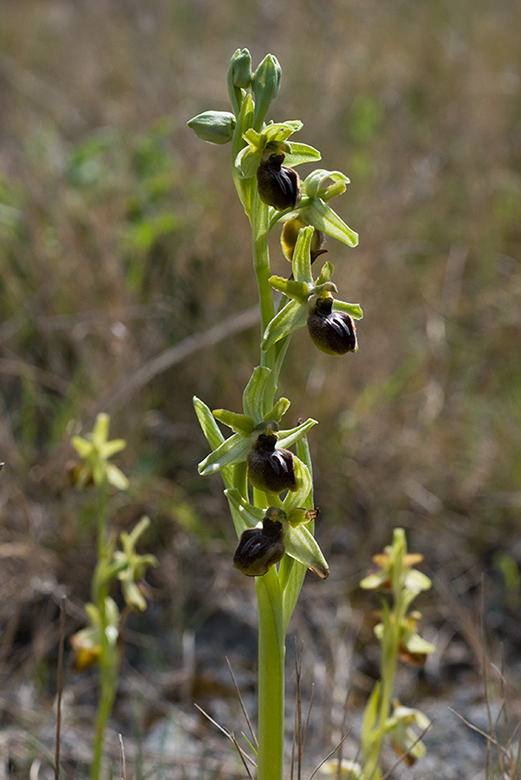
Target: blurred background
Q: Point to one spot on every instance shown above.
(121, 237)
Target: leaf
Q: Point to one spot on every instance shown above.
(254, 393)
(323, 218)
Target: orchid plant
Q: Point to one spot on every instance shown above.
(268, 486)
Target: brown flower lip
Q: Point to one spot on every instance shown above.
(269, 468)
(333, 332)
(278, 185)
(260, 548)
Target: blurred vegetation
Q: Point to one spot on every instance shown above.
(120, 236)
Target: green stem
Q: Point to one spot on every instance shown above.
(261, 265)
(109, 661)
(271, 677)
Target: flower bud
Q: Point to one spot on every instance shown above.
(265, 85)
(260, 548)
(270, 469)
(216, 127)
(278, 185)
(333, 332)
(240, 69)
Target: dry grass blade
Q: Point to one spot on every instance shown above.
(245, 758)
(59, 692)
(330, 754)
(243, 708)
(123, 759)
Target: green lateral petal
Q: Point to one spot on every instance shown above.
(276, 132)
(312, 185)
(349, 308)
(207, 422)
(279, 410)
(288, 319)
(323, 218)
(301, 153)
(302, 546)
(244, 514)
(326, 274)
(240, 423)
(301, 262)
(254, 393)
(298, 291)
(232, 450)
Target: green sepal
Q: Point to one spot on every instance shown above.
(302, 545)
(299, 291)
(279, 410)
(255, 392)
(233, 450)
(353, 309)
(240, 423)
(292, 317)
(298, 497)
(301, 153)
(323, 218)
(211, 430)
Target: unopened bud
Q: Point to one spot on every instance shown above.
(216, 127)
(265, 85)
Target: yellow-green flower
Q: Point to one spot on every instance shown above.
(95, 449)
